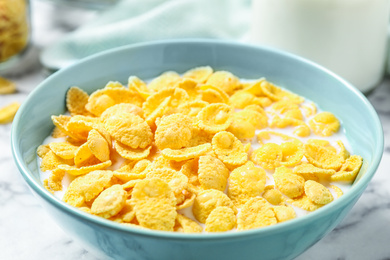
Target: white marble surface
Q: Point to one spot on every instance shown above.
(27, 231)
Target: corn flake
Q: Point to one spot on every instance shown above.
(186, 153)
(221, 219)
(284, 213)
(174, 131)
(212, 173)
(8, 112)
(63, 149)
(215, 117)
(317, 192)
(76, 99)
(199, 74)
(349, 170)
(323, 157)
(269, 156)
(165, 80)
(225, 81)
(206, 201)
(229, 149)
(255, 213)
(246, 182)
(324, 124)
(288, 183)
(130, 130)
(187, 225)
(110, 202)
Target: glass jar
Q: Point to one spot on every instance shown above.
(14, 31)
(349, 37)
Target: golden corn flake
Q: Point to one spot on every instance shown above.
(288, 183)
(284, 213)
(126, 214)
(229, 149)
(255, 213)
(302, 130)
(187, 225)
(176, 180)
(121, 109)
(154, 204)
(269, 156)
(166, 80)
(132, 171)
(130, 130)
(50, 161)
(110, 202)
(174, 131)
(76, 99)
(324, 124)
(241, 99)
(246, 182)
(192, 108)
(310, 172)
(55, 179)
(305, 203)
(349, 170)
(191, 87)
(136, 84)
(276, 93)
(206, 201)
(7, 113)
(72, 170)
(187, 199)
(42, 150)
(339, 192)
(225, 81)
(257, 119)
(215, 117)
(130, 153)
(63, 149)
(7, 86)
(317, 192)
(221, 219)
(186, 153)
(322, 157)
(199, 74)
(273, 196)
(213, 94)
(177, 96)
(98, 145)
(87, 187)
(212, 173)
(190, 169)
(152, 188)
(292, 153)
(83, 156)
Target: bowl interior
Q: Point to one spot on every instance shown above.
(32, 123)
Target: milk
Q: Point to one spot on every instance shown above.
(349, 37)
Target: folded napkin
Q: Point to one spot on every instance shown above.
(135, 21)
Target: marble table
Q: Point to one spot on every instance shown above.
(27, 231)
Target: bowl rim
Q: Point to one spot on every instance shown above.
(356, 189)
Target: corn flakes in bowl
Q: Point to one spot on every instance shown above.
(197, 149)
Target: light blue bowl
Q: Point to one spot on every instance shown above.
(32, 125)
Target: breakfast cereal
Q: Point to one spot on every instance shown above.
(198, 152)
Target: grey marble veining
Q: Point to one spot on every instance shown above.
(27, 231)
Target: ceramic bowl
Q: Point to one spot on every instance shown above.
(287, 240)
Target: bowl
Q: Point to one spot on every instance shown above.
(287, 240)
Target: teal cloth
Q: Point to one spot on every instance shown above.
(135, 21)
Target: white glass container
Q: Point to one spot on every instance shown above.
(349, 37)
